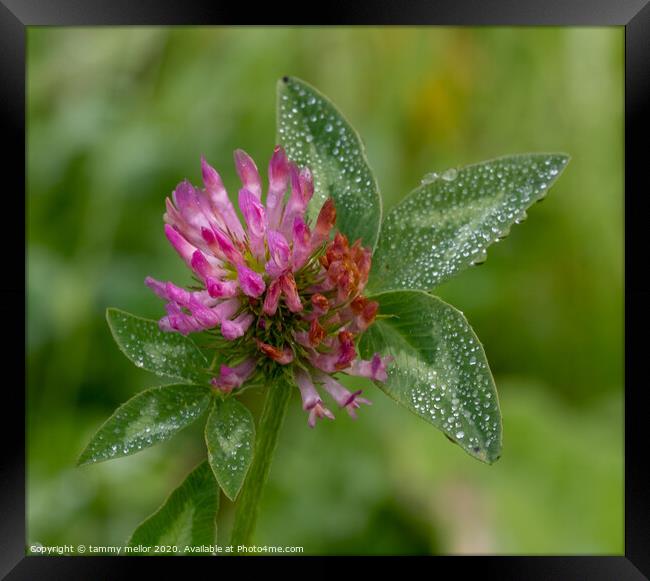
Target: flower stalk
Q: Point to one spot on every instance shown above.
(271, 420)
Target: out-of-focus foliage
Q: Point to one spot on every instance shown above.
(117, 117)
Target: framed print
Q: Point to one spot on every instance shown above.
(254, 318)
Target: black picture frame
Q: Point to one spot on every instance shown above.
(634, 15)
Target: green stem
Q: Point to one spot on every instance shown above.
(275, 408)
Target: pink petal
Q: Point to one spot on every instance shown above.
(339, 393)
(324, 223)
(302, 337)
(278, 170)
(219, 200)
(251, 282)
(179, 321)
(233, 329)
(206, 316)
(344, 398)
(232, 377)
(188, 202)
(279, 250)
(347, 352)
(157, 286)
(319, 411)
(179, 295)
(254, 213)
(272, 298)
(224, 246)
(205, 267)
(324, 361)
(374, 369)
(306, 180)
(296, 205)
(226, 309)
(301, 243)
(221, 288)
(290, 292)
(248, 173)
(308, 392)
(182, 246)
(278, 181)
(173, 217)
(255, 217)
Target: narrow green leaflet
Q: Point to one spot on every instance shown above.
(165, 354)
(186, 520)
(315, 134)
(150, 417)
(230, 438)
(446, 224)
(440, 371)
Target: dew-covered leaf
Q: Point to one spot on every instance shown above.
(445, 225)
(186, 520)
(315, 134)
(230, 438)
(152, 416)
(440, 371)
(165, 354)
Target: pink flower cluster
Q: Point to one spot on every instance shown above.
(279, 292)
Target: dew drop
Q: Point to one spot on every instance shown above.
(450, 175)
(429, 178)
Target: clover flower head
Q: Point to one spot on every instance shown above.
(276, 293)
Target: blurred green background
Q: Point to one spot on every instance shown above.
(118, 116)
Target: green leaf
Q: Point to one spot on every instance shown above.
(440, 371)
(150, 417)
(315, 134)
(186, 520)
(445, 225)
(230, 438)
(165, 354)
